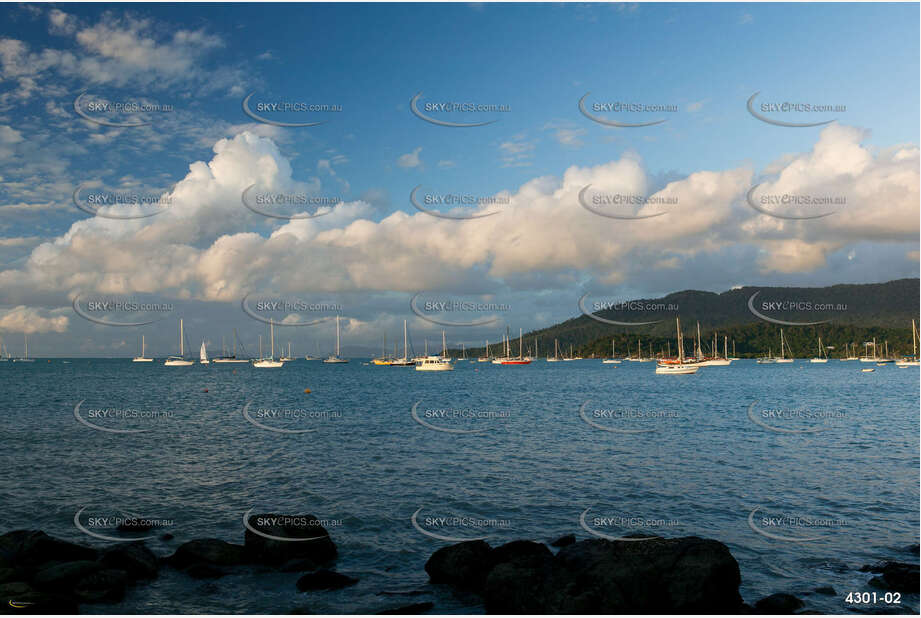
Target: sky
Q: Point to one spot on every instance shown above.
(535, 238)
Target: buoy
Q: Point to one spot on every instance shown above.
(306, 390)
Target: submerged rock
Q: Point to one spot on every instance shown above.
(33, 547)
(213, 552)
(308, 539)
(897, 576)
(686, 575)
(133, 558)
(779, 603)
(563, 541)
(828, 590)
(464, 565)
(324, 579)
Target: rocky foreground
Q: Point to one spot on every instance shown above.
(40, 574)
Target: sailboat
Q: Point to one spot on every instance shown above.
(613, 360)
(179, 361)
(866, 358)
(487, 357)
(677, 366)
(715, 360)
(405, 360)
(556, 352)
(783, 358)
(287, 358)
(910, 361)
(384, 359)
(270, 362)
(317, 357)
(733, 357)
(508, 359)
(848, 354)
(2, 358)
(143, 357)
(886, 359)
(335, 358)
(203, 355)
(223, 358)
(823, 355)
(25, 357)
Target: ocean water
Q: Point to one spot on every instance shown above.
(805, 471)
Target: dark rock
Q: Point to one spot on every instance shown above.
(528, 552)
(166, 537)
(259, 549)
(61, 576)
(464, 565)
(298, 565)
(300, 610)
(8, 574)
(778, 603)
(563, 541)
(825, 590)
(415, 608)
(897, 576)
(324, 579)
(914, 548)
(204, 571)
(207, 551)
(686, 575)
(103, 585)
(133, 558)
(21, 598)
(34, 547)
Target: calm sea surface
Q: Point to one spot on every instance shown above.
(805, 471)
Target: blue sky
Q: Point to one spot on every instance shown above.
(538, 60)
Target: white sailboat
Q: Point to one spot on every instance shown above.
(335, 358)
(613, 360)
(25, 357)
(911, 361)
(556, 352)
(866, 358)
(405, 360)
(783, 358)
(823, 355)
(143, 357)
(486, 358)
(270, 362)
(179, 361)
(203, 355)
(287, 357)
(678, 366)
